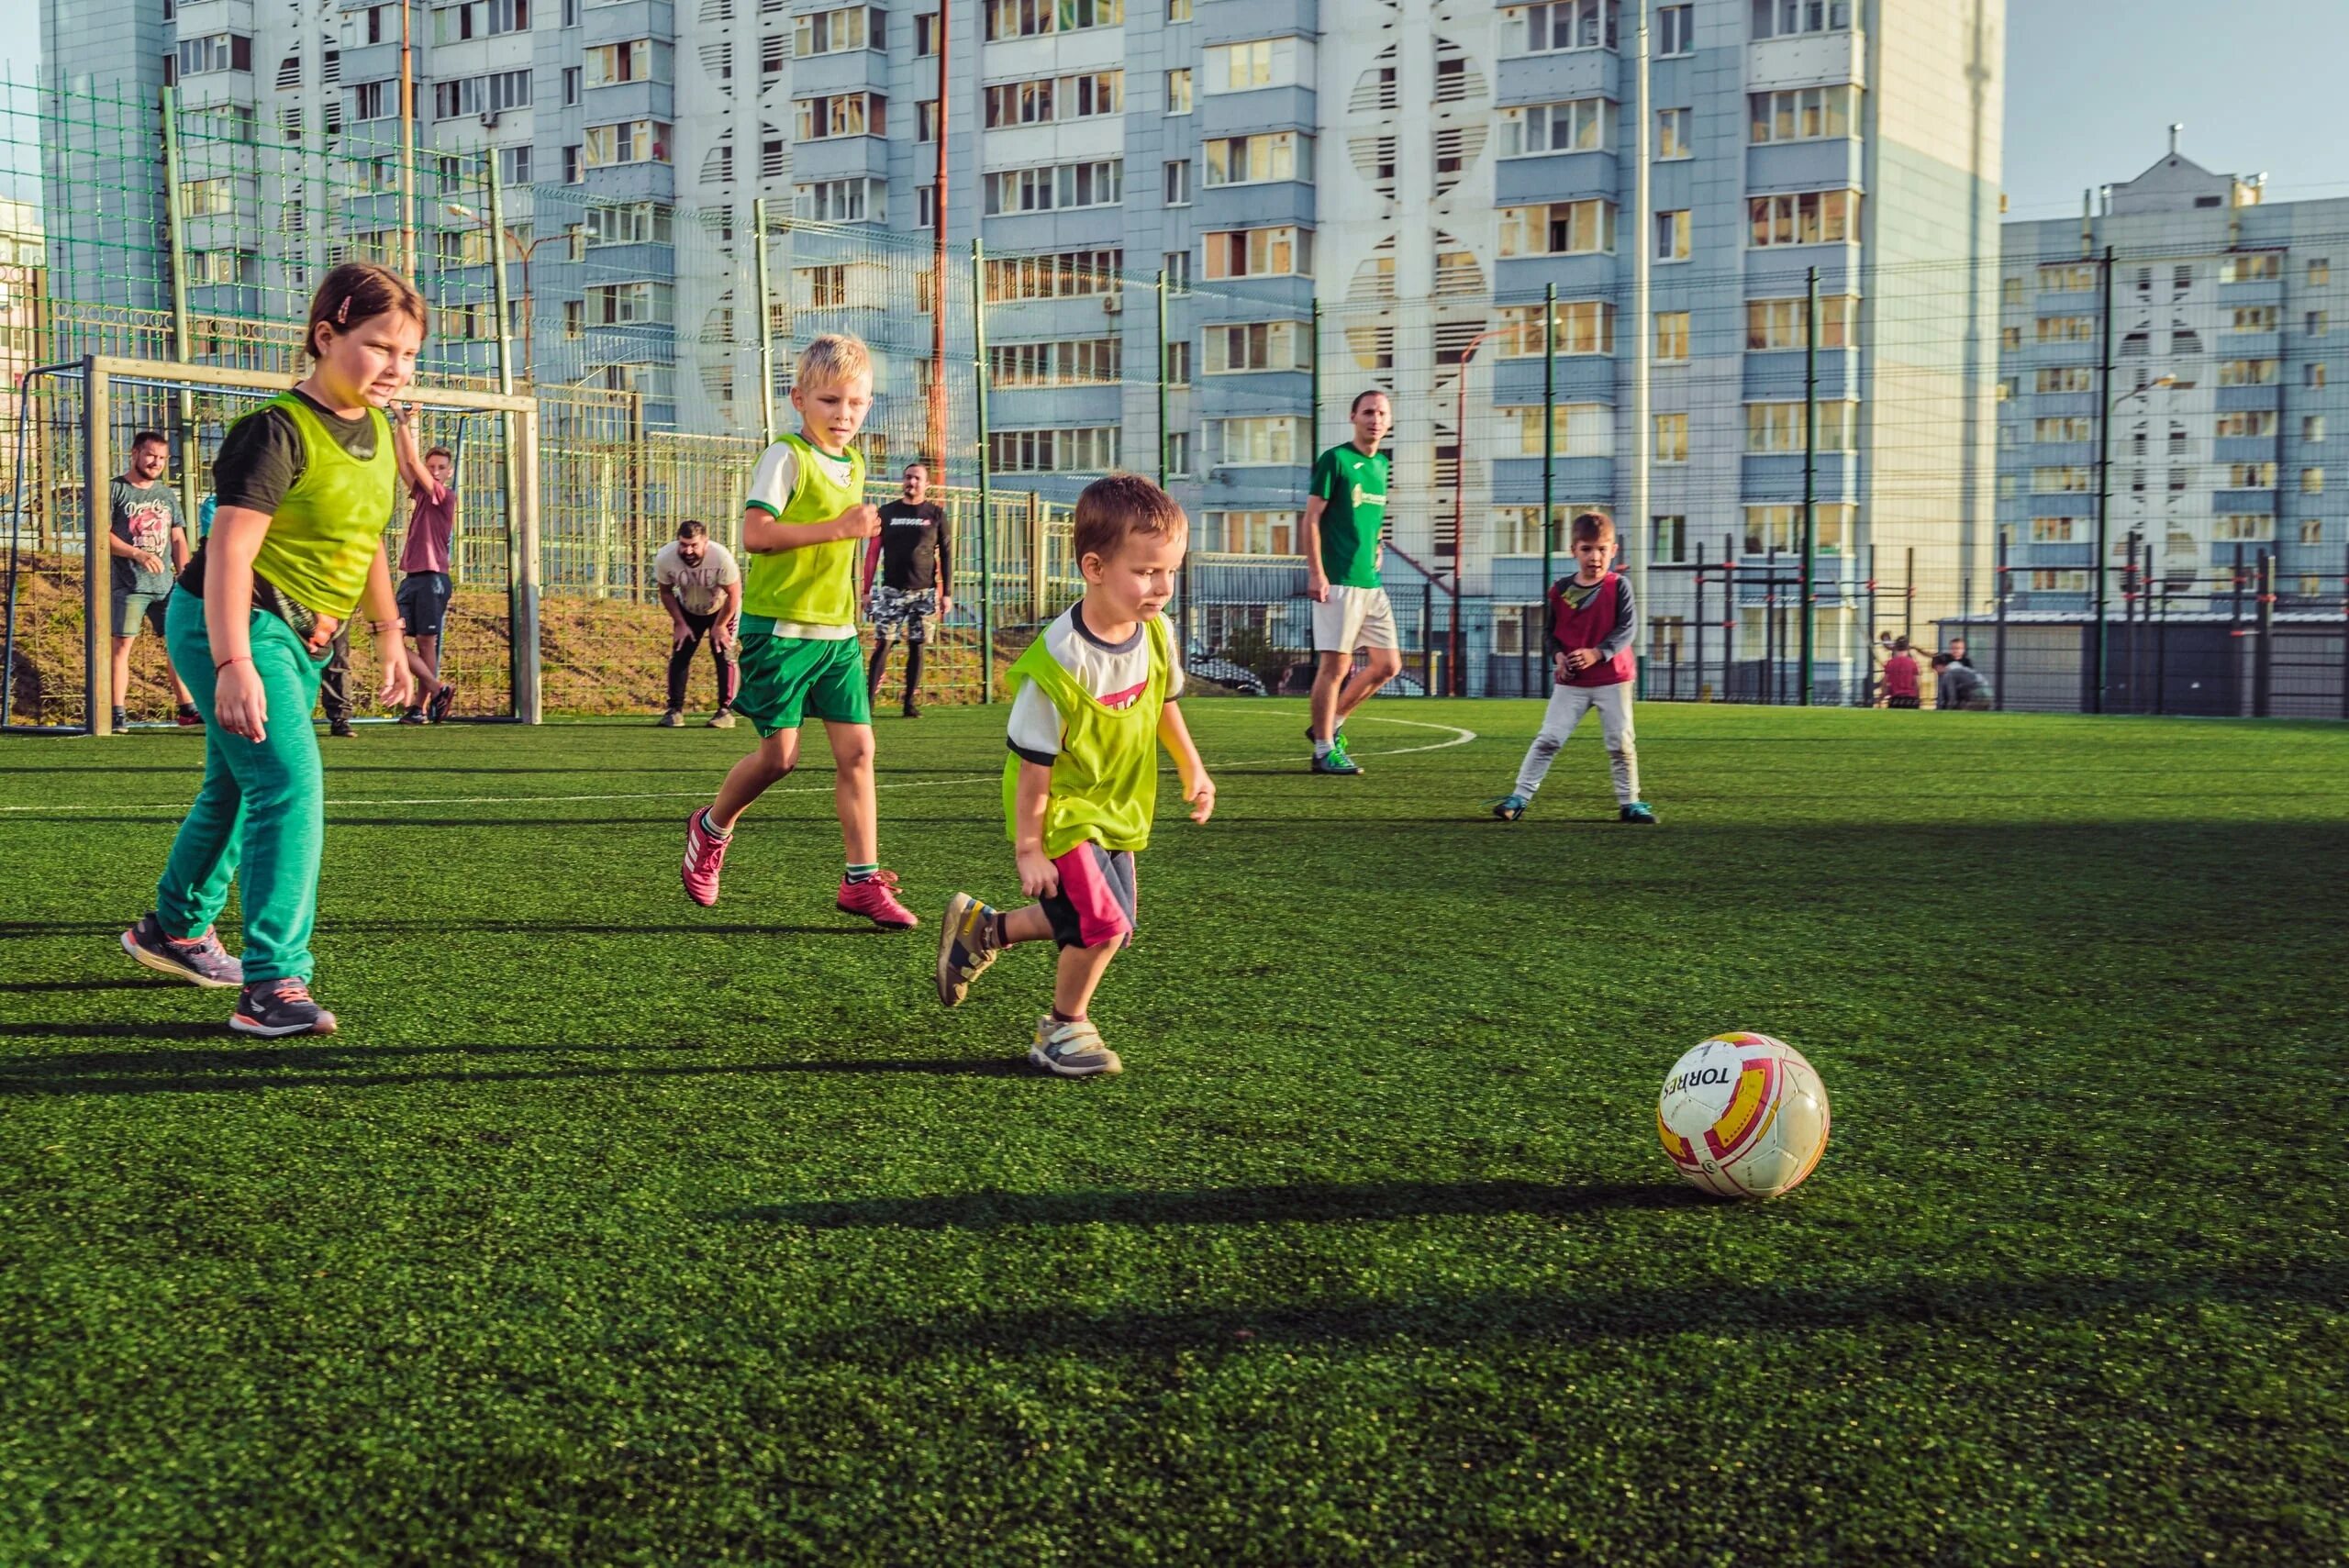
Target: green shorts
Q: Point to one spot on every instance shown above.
(786, 680)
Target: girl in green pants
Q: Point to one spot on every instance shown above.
(306, 483)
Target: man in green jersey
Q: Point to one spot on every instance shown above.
(1345, 517)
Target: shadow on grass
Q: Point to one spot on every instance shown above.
(1565, 1315)
(126, 983)
(1218, 1206)
(306, 1066)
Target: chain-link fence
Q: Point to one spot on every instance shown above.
(1836, 448)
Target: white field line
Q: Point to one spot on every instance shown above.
(1457, 736)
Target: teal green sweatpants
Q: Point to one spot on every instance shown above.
(262, 809)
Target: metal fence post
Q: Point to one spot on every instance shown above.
(1549, 435)
(1998, 646)
(1427, 634)
(183, 344)
(1809, 477)
(2263, 656)
(97, 463)
(1773, 638)
(765, 284)
(2103, 484)
(1909, 600)
(986, 468)
(2161, 653)
(1698, 695)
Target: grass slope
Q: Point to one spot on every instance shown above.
(614, 1231)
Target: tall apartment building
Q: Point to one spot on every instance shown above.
(2218, 338)
(1421, 168)
(105, 234)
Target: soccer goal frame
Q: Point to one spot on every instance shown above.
(100, 374)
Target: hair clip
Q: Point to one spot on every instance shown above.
(342, 312)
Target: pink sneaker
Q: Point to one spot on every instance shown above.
(705, 856)
(875, 898)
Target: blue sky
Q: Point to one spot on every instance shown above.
(2091, 84)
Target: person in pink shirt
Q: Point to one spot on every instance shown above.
(1898, 686)
(425, 585)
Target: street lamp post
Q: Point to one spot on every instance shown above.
(574, 236)
(2103, 524)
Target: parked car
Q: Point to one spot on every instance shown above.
(1222, 672)
(1298, 682)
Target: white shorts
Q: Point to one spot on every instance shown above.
(1351, 618)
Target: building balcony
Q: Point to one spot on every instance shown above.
(1555, 177)
(627, 20)
(1808, 60)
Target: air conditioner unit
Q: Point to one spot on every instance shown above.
(1113, 304)
(489, 119)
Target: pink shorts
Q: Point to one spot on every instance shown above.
(1096, 901)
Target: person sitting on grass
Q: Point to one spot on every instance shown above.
(1592, 619)
(1095, 699)
(1897, 685)
(803, 526)
(1958, 684)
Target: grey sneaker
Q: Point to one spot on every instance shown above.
(1072, 1049)
(199, 959)
(966, 945)
(722, 719)
(672, 719)
(273, 1008)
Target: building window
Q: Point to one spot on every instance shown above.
(1783, 18)
(2247, 372)
(1178, 184)
(1668, 539)
(571, 83)
(926, 36)
(1286, 252)
(2063, 428)
(2312, 427)
(1558, 229)
(1671, 337)
(616, 64)
(2313, 482)
(2311, 530)
(2254, 423)
(1250, 533)
(1177, 361)
(2064, 329)
(1253, 160)
(1258, 346)
(2254, 319)
(2010, 291)
(1086, 449)
(2244, 527)
(1034, 18)
(482, 19)
(2251, 269)
(1672, 437)
(1777, 427)
(634, 223)
(2312, 374)
(575, 164)
(2066, 277)
(1578, 430)
(1055, 187)
(1178, 271)
(633, 141)
(842, 114)
(373, 100)
(514, 165)
(1673, 128)
(841, 201)
(1675, 31)
(1259, 62)
(634, 304)
(2063, 378)
(1812, 114)
(223, 51)
(491, 94)
(1774, 324)
(2009, 336)
(830, 32)
(1578, 326)
(1065, 274)
(1673, 233)
(2320, 272)
(926, 121)
(1577, 125)
(2067, 479)
(1050, 99)
(1261, 440)
(1178, 92)
(2054, 530)
(1566, 24)
(1077, 362)
(1778, 526)
(2250, 476)
(2043, 582)
(1809, 217)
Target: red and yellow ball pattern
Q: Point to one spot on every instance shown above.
(1743, 1115)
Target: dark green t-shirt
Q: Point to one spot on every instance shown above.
(1354, 490)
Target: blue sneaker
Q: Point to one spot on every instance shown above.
(1639, 811)
(1508, 809)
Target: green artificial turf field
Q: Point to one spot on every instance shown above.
(614, 1231)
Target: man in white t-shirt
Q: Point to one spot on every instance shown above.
(701, 587)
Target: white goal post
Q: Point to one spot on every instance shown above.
(517, 415)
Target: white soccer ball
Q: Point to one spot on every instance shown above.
(1743, 1115)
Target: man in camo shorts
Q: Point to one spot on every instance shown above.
(912, 558)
